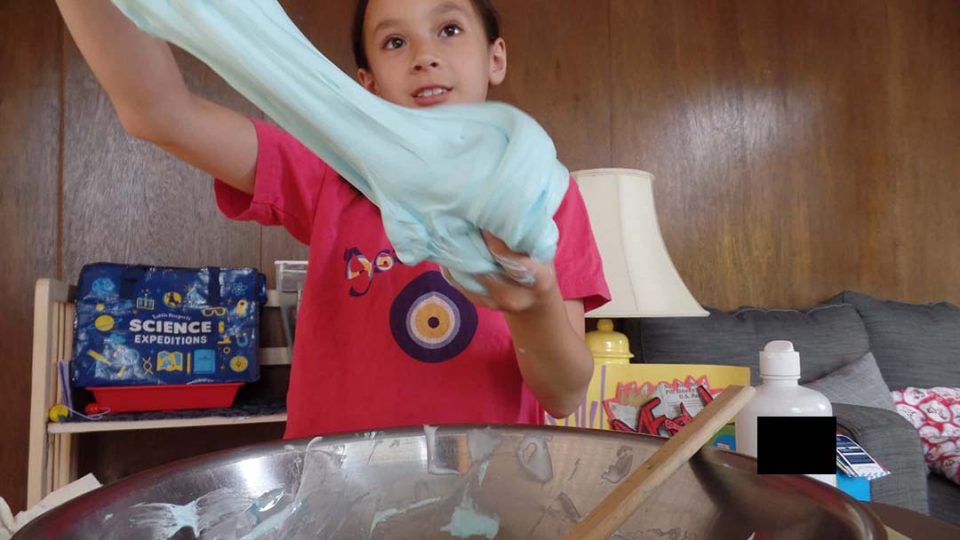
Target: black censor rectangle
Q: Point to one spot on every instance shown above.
(796, 445)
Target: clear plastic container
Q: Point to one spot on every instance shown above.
(291, 277)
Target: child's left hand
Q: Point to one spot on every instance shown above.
(527, 285)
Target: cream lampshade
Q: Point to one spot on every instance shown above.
(642, 279)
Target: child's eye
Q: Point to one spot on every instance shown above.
(393, 43)
(451, 30)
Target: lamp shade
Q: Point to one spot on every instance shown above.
(642, 279)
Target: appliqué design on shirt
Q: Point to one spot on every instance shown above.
(431, 321)
(359, 267)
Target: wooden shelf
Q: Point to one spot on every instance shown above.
(124, 425)
(52, 452)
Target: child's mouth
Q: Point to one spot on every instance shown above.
(431, 95)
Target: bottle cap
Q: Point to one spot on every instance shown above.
(779, 360)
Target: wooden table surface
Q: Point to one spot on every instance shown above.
(914, 525)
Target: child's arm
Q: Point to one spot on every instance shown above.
(547, 332)
(147, 90)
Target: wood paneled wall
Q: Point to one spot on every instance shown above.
(30, 116)
(800, 148)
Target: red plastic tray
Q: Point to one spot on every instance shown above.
(167, 397)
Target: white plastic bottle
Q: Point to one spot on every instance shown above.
(780, 395)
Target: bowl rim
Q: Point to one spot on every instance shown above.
(54, 521)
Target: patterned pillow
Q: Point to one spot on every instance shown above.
(935, 412)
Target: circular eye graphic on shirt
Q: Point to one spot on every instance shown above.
(431, 321)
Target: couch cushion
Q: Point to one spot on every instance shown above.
(894, 443)
(856, 383)
(826, 337)
(915, 344)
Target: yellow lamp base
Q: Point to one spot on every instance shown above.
(608, 346)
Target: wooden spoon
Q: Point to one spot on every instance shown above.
(623, 501)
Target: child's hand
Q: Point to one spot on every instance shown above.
(527, 284)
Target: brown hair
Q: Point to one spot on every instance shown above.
(484, 8)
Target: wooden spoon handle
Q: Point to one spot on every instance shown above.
(623, 501)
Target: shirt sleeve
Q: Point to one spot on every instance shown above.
(577, 263)
(289, 181)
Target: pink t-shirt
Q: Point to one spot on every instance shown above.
(381, 344)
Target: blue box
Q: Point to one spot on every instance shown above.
(142, 325)
(858, 488)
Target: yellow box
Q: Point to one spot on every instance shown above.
(656, 399)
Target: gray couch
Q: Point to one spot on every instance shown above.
(911, 344)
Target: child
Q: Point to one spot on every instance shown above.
(379, 344)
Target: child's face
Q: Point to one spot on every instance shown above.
(428, 52)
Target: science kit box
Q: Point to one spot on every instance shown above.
(140, 327)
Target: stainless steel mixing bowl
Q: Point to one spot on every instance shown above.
(464, 481)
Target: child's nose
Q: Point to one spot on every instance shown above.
(425, 59)
(424, 64)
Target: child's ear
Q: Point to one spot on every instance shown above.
(366, 79)
(498, 61)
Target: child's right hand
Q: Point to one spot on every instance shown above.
(524, 285)
(547, 331)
